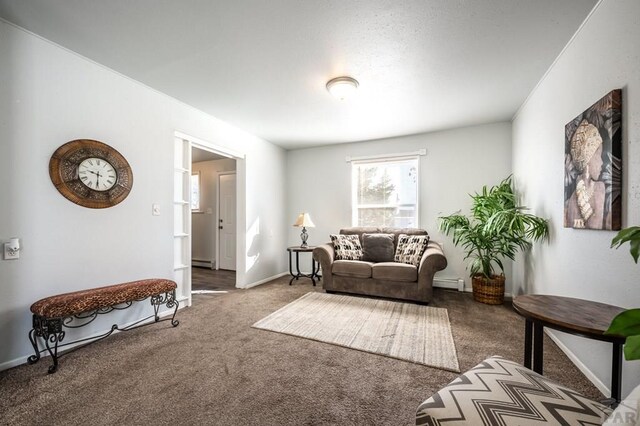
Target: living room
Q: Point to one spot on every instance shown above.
(52, 93)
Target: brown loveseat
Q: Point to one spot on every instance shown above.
(384, 279)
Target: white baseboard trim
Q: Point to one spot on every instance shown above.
(451, 283)
(576, 361)
(16, 362)
(203, 263)
(266, 280)
(43, 355)
(458, 284)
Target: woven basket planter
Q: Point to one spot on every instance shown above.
(488, 290)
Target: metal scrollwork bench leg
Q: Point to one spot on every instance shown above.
(168, 299)
(50, 329)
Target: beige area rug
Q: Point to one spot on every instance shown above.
(406, 331)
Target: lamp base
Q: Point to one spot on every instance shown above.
(304, 236)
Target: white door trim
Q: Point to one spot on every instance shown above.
(231, 172)
(182, 229)
(194, 142)
(208, 146)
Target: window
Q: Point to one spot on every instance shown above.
(195, 191)
(385, 192)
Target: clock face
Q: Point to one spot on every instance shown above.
(90, 173)
(97, 174)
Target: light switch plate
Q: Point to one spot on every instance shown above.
(155, 209)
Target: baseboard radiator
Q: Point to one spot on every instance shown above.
(203, 263)
(453, 283)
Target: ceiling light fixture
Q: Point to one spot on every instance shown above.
(342, 87)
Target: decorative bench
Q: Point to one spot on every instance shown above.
(77, 309)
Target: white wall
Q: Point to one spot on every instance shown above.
(203, 223)
(49, 96)
(458, 162)
(604, 55)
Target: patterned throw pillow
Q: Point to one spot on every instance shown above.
(347, 247)
(411, 248)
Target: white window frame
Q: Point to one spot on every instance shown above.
(376, 160)
(199, 197)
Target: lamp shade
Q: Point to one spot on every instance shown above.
(304, 220)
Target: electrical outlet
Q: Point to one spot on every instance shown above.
(10, 254)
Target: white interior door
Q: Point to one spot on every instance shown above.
(227, 220)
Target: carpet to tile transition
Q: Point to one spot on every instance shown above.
(406, 331)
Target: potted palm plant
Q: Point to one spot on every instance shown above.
(496, 230)
(627, 323)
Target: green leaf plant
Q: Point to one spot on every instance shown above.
(627, 323)
(496, 229)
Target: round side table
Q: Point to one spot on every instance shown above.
(574, 316)
(315, 266)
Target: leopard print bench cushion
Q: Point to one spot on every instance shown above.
(69, 304)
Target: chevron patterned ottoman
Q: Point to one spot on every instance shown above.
(501, 392)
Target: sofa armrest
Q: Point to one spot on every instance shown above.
(433, 260)
(325, 254)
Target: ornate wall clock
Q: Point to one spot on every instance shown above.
(91, 173)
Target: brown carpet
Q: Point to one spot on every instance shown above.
(214, 369)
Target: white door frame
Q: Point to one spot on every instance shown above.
(230, 172)
(229, 153)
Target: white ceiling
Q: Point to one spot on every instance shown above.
(423, 65)
(199, 155)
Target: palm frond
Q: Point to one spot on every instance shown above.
(497, 228)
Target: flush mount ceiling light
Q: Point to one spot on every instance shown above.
(342, 87)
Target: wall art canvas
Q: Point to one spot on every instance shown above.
(593, 166)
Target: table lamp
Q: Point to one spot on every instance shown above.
(303, 221)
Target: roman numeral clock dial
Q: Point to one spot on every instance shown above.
(98, 174)
(90, 173)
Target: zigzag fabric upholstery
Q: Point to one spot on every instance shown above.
(501, 392)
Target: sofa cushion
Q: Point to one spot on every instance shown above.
(359, 230)
(396, 232)
(411, 248)
(394, 271)
(352, 268)
(502, 392)
(347, 247)
(377, 247)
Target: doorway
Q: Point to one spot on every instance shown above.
(197, 164)
(213, 221)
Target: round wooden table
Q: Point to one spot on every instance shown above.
(574, 316)
(315, 267)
